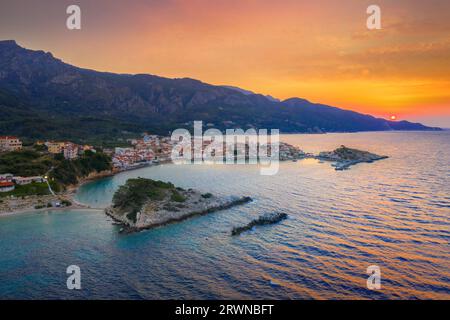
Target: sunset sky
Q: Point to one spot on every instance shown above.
(319, 50)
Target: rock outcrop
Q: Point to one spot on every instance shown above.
(345, 157)
(262, 220)
(145, 203)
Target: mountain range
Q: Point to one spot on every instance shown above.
(43, 97)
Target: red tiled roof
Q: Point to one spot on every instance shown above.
(6, 184)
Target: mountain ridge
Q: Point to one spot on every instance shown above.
(41, 95)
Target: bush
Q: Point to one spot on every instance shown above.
(66, 203)
(156, 194)
(136, 192)
(40, 148)
(54, 185)
(59, 157)
(24, 163)
(34, 188)
(32, 163)
(207, 195)
(132, 216)
(132, 196)
(70, 171)
(177, 197)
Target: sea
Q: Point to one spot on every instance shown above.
(392, 215)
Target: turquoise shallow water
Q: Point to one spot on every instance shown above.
(393, 213)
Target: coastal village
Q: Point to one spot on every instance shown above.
(141, 152)
(145, 151)
(151, 149)
(68, 150)
(77, 163)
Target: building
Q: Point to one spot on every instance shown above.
(6, 186)
(131, 157)
(70, 151)
(108, 151)
(27, 180)
(40, 143)
(87, 148)
(54, 147)
(8, 143)
(6, 177)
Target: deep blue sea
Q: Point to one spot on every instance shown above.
(393, 213)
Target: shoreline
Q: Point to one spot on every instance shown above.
(127, 228)
(28, 204)
(71, 190)
(33, 211)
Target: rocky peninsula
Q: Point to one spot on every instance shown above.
(265, 219)
(344, 157)
(146, 203)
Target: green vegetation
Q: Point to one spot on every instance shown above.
(345, 153)
(156, 194)
(207, 195)
(56, 187)
(26, 163)
(30, 124)
(34, 188)
(69, 171)
(66, 203)
(136, 192)
(132, 216)
(38, 162)
(177, 197)
(39, 147)
(348, 154)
